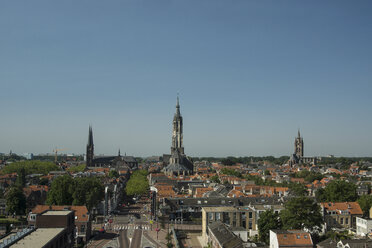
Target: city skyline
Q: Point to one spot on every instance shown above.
(249, 75)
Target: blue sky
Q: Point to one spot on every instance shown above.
(249, 74)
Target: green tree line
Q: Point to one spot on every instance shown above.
(30, 167)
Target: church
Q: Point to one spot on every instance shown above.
(298, 155)
(118, 162)
(178, 162)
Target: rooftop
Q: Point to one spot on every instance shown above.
(38, 238)
(57, 212)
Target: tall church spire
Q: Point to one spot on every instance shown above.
(299, 136)
(90, 148)
(177, 135)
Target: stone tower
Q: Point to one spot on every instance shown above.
(179, 164)
(299, 146)
(177, 134)
(90, 148)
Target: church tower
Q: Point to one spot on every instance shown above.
(90, 148)
(299, 146)
(179, 163)
(177, 135)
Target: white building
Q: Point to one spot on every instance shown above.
(363, 226)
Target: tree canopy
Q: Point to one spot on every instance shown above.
(30, 167)
(365, 203)
(78, 168)
(138, 183)
(268, 221)
(113, 174)
(16, 201)
(338, 191)
(301, 212)
(298, 189)
(86, 191)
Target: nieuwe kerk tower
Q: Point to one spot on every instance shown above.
(179, 164)
(90, 148)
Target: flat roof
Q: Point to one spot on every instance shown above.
(39, 238)
(57, 212)
(219, 209)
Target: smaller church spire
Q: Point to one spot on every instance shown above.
(299, 135)
(119, 153)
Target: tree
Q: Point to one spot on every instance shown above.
(215, 179)
(365, 203)
(113, 174)
(301, 212)
(15, 201)
(88, 191)
(44, 181)
(298, 189)
(339, 191)
(138, 183)
(61, 191)
(21, 178)
(268, 220)
(227, 161)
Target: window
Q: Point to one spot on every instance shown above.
(342, 221)
(347, 221)
(298, 236)
(82, 228)
(218, 216)
(210, 216)
(250, 215)
(250, 225)
(199, 202)
(305, 236)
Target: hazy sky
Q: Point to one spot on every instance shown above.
(249, 74)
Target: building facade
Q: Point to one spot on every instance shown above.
(341, 214)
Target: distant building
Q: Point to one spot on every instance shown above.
(28, 156)
(118, 162)
(298, 155)
(179, 164)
